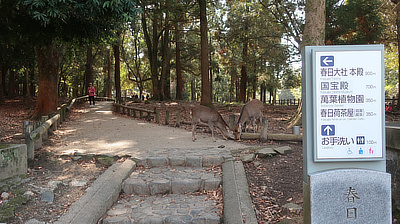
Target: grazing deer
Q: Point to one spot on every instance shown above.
(212, 118)
(251, 112)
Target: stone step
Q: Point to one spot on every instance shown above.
(172, 180)
(160, 209)
(178, 161)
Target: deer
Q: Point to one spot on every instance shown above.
(211, 117)
(251, 112)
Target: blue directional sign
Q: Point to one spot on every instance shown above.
(327, 61)
(327, 130)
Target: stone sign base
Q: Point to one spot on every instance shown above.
(13, 161)
(348, 196)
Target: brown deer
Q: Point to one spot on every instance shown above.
(212, 118)
(251, 112)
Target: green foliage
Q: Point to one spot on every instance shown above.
(391, 71)
(291, 78)
(353, 22)
(267, 58)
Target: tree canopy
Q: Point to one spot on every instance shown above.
(51, 49)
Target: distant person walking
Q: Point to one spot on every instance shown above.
(91, 91)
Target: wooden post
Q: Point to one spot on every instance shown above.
(24, 124)
(178, 118)
(157, 115)
(51, 129)
(167, 117)
(134, 114)
(60, 111)
(55, 125)
(62, 114)
(39, 142)
(46, 133)
(59, 120)
(232, 119)
(30, 146)
(264, 130)
(129, 112)
(141, 114)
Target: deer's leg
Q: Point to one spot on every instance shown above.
(211, 125)
(259, 124)
(240, 131)
(193, 131)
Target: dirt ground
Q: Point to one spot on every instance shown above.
(273, 181)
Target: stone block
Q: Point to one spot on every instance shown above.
(141, 162)
(177, 161)
(247, 158)
(348, 196)
(173, 219)
(162, 186)
(181, 186)
(152, 219)
(194, 161)
(13, 161)
(209, 161)
(209, 219)
(117, 220)
(265, 152)
(212, 184)
(157, 161)
(135, 186)
(283, 150)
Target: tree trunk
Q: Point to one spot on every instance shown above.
(193, 89)
(243, 73)
(108, 80)
(165, 62)
(211, 74)
(314, 29)
(179, 79)
(89, 66)
(48, 59)
(32, 84)
(231, 87)
(3, 71)
(11, 83)
(397, 2)
(314, 35)
(152, 49)
(167, 84)
(117, 73)
(206, 99)
(25, 91)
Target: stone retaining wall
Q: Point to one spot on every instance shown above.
(393, 162)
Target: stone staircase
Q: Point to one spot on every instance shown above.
(171, 188)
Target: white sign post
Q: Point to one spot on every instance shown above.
(344, 156)
(349, 107)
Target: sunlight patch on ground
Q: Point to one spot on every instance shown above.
(100, 147)
(104, 111)
(63, 131)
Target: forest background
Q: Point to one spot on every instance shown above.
(208, 50)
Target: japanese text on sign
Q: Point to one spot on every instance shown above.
(348, 87)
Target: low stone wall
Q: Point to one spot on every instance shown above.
(393, 162)
(13, 161)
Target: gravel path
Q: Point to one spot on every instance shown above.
(101, 132)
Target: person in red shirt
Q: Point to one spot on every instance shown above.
(91, 91)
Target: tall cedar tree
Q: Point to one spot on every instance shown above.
(49, 24)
